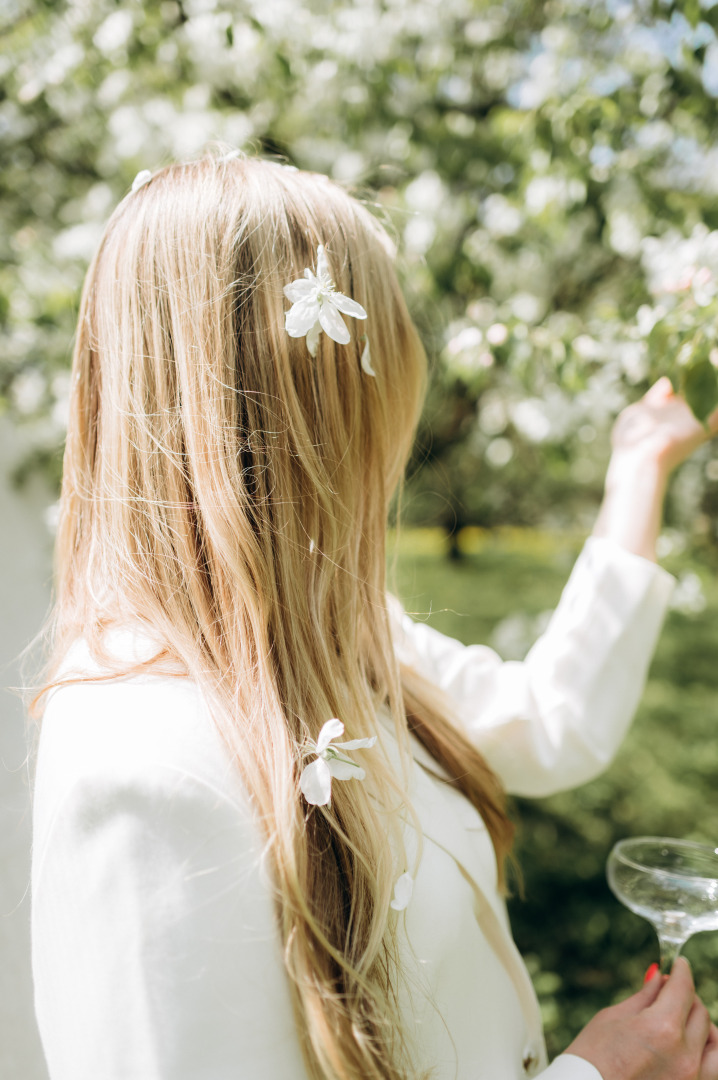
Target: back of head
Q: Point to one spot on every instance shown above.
(200, 427)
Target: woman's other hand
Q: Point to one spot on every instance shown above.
(650, 438)
(663, 1032)
(660, 428)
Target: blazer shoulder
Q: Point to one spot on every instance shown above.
(148, 727)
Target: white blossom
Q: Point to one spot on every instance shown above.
(366, 358)
(403, 889)
(316, 779)
(316, 305)
(143, 177)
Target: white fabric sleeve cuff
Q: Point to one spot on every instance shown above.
(570, 1067)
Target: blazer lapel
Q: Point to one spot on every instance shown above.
(449, 821)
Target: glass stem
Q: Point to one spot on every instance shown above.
(670, 950)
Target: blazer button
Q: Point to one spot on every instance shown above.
(530, 1060)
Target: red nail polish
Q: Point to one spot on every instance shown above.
(653, 970)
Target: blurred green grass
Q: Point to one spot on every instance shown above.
(584, 950)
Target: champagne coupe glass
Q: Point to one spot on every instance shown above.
(672, 883)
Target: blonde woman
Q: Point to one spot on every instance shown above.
(269, 806)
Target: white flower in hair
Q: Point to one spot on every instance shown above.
(143, 177)
(366, 358)
(316, 779)
(403, 889)
(316, 305)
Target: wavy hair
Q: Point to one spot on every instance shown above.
(231, 493)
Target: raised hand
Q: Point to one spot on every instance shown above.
(661, 428)
(650, 438)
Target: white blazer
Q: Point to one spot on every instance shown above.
(155, 950)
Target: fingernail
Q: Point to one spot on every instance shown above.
(650, 974)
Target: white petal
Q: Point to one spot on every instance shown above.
(313, 338)
(347, 305)
(333, 323)
(301, 317)
(331, 730)
(301, 289)
(345, 770)
(366, 360)
(142, 178)
(357, 744)
(402, 892)
(316, 783)
(323, 264)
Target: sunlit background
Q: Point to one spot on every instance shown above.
(550, 173)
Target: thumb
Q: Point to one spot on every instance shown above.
(644, 998)
(661, 389)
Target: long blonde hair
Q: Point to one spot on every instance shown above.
(230, 492)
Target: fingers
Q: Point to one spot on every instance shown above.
(660, 390)
(677, 993)
(709, 1061)
(652, 971)
(698, 1026)
(651, 987)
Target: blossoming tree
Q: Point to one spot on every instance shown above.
(549, 170)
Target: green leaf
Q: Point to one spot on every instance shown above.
(699, 385)
(692, 11)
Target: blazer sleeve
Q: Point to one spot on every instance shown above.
(155, 950)
(555, 719)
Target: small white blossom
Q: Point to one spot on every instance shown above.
(497, 334)
(316, 305)
(143, 177)
(366, 358)
(316, 779)
(402, 892)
